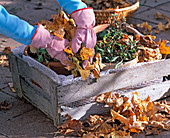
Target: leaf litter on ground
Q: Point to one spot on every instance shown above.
(126, 117)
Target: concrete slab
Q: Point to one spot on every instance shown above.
(48, 4)
(5, 75)
(7, 90)
(153, 3)
(164, 7)
(141, 9)
(163, 35)
(149, 16)
(35, 16)
(7, 42)
(31, 124)
(19, 107)
(135, 21)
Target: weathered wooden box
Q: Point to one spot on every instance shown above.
(52, 91)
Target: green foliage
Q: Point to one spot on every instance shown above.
(113, 47)
(43, 55)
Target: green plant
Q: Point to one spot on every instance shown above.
(115, 44)
(43, 55)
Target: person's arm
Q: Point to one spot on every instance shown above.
(15, 28)
(70, 6)
(36, 36)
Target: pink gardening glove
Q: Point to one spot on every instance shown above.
(55, 46)
(84, 34)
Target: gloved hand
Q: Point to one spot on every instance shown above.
(85, 20)
(54, 45)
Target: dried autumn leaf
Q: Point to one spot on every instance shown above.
(102, 97)
(99, 60)
(134, 98)
(146, 25)
(134, 130)
(85, 53)
(156, 31)
(84, 73)
(137, 125)
(105, 128)
(4, 61)
(7, 50)
(4, 105)
(68, 50)
(159, 15)
(12, 87)
(89, 66)
(95, 119)
(89, 135)
(96, 71)
(163, 48)
(161, 27)
(119, 117)
(69, 65)
(33, 49)
(167, 26)
(107, 98)
(75, 125)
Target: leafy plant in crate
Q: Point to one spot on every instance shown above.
(115, 44)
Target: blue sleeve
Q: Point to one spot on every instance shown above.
(71, 5)
(15, 28)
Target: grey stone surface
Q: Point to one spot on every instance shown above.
(153, 3)
(164, 7)
(149, 16)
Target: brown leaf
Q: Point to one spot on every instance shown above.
(159, 15)
(7, 50)
(89, 135)
(84, 73)
(5, 105)
(167, 26)
(121, 118)
(161, 27)
(105, 128)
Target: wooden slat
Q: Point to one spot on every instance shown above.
(15, 74)
(37, 98)
(155, 92)
(118, 79)
(34, 74)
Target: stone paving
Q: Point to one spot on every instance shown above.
(23, 120)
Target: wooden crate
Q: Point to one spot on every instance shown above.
(52, 91)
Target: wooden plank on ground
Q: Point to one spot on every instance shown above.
(117, 79)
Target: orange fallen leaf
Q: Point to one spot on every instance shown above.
(85, 53)
(84, 73)
(163, 48)
(121, 118)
